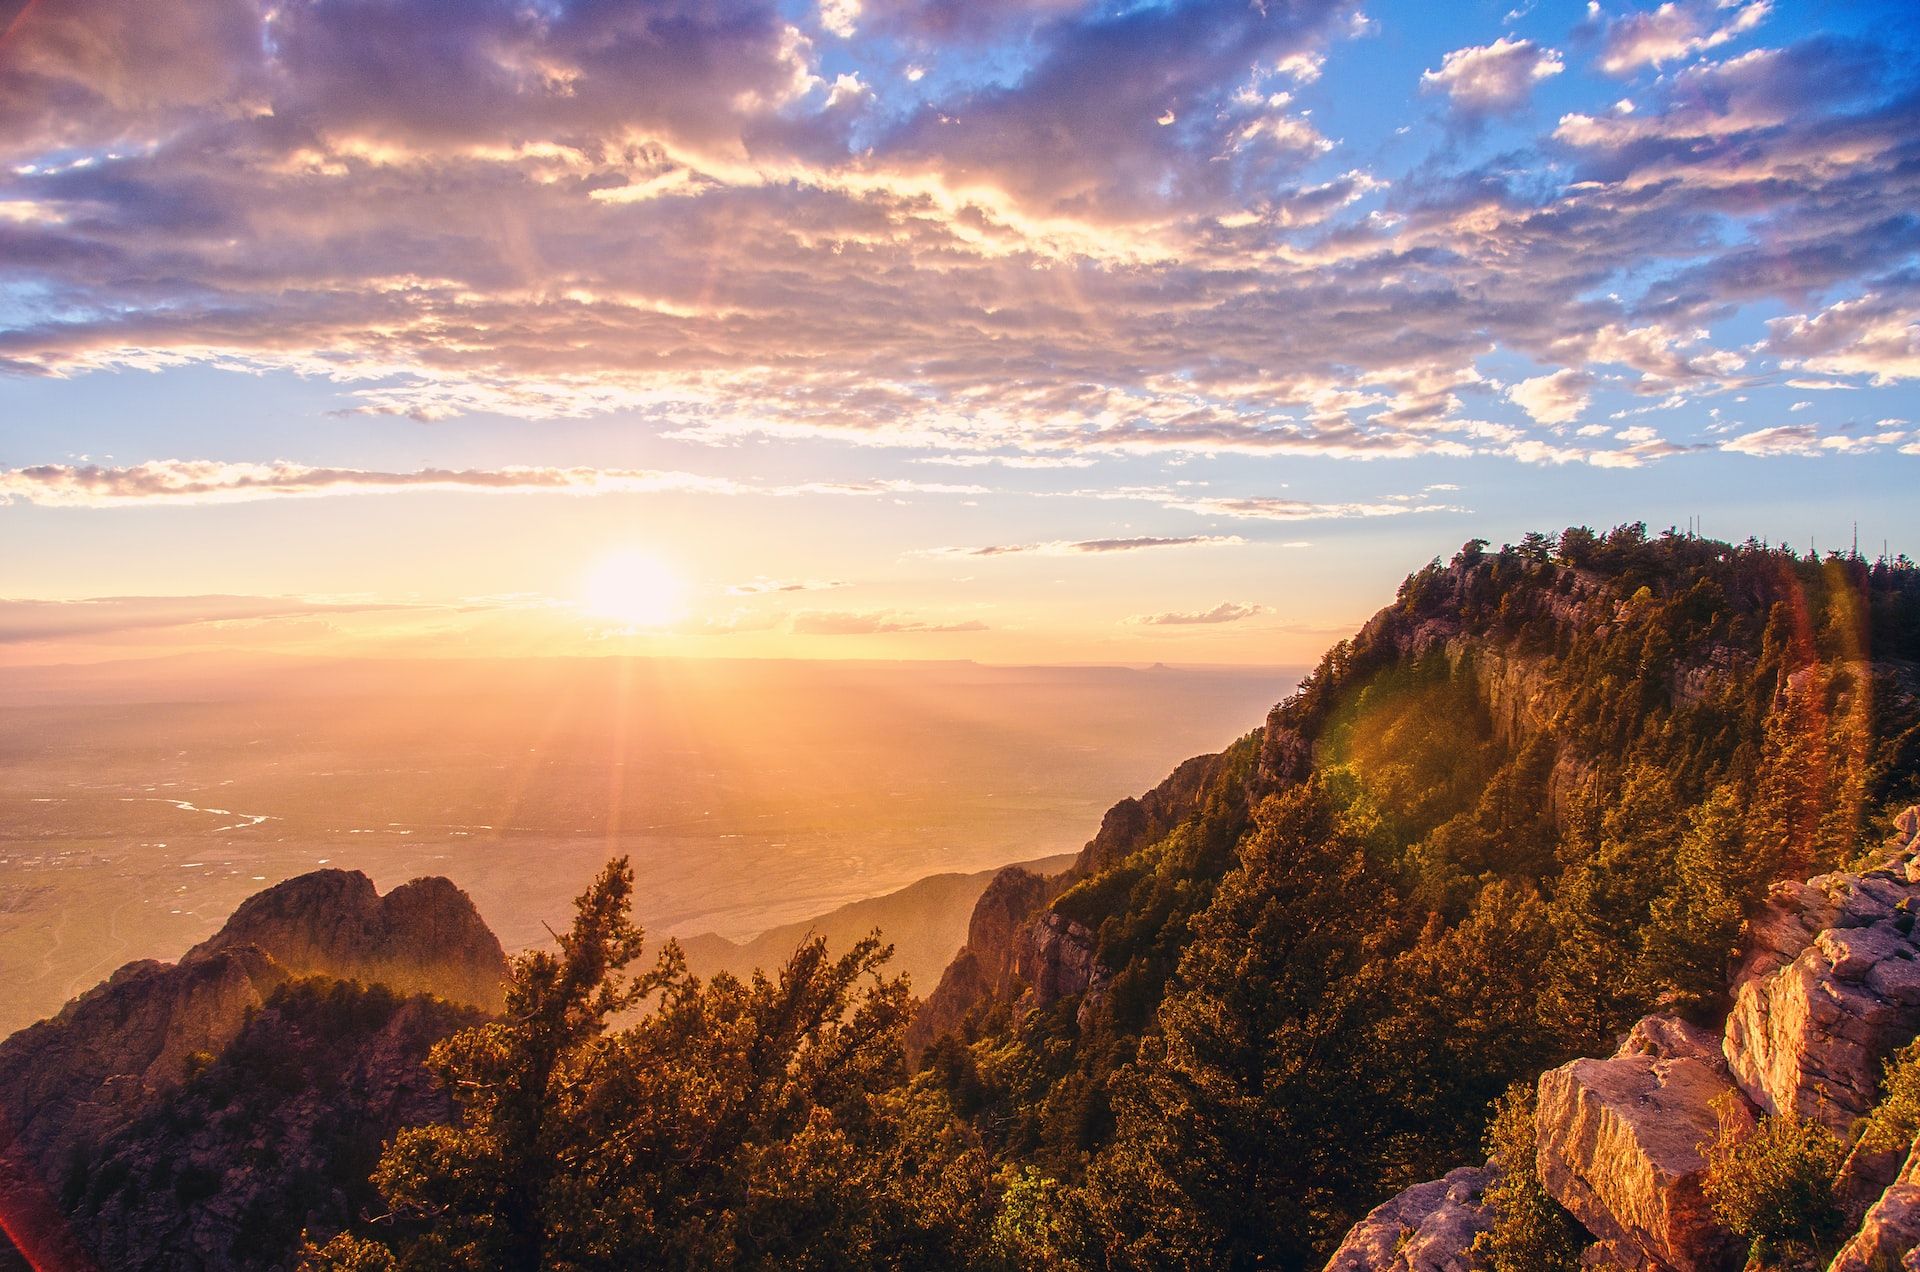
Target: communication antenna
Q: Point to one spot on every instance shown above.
(1856, 541)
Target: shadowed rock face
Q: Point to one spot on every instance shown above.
(1012, 943)
(274, 1139)
(984, 968)
(70, 1082)
(1891, 1227)
(423, 937)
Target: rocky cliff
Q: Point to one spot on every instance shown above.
(1827, 987)
(1014, 946)
(424, 937)
(1024, 953)
(111, 1057)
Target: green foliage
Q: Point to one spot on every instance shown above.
(735, 1124)
(1227, 1152)
(1894, 1122)
(1773, 1185)
(273, 1137)
(1695, 922)
(1531, 1232)
(1027, 1231)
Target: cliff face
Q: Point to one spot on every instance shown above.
(1827, 988)
(1022, 953)
(116, 1053)
(1013, 945)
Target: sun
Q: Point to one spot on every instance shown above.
(635, 588)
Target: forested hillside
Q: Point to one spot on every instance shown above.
(1529, 800)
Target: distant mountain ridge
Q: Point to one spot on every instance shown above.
(925, 922)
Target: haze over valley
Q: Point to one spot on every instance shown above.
(140, 802)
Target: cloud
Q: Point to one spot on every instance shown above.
(1267, 508)
(666, 214)
(1009, 461)
(212, 481)
(1804, 440)
(1226, 612)
(33, 620)
(1558, 398)
(1492, 79)
(762, 586)
(1871, 335)
(873, 623)
(179, 481)
(1097, 546)
(1674, 31)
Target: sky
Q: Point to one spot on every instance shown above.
(1010, 330)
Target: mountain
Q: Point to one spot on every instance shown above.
(79, 1089)
(1530, 801)
(925, 922)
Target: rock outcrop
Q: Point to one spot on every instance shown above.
(1891, 1229)
(1012, 939)
(1826, 988)
(1056, 959)
(1429, 1227)
(1621, 1143)
(423, 937)
(984, 968)
(1812, 1026)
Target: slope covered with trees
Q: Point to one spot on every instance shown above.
(1527, 802)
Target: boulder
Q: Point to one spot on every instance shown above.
(1429, 1227)
(1621, 1144)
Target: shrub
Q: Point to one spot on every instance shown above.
(1531, 1232)
(1773, 1184)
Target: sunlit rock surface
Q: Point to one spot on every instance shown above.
(1826, 988)
(1620, 1144)
(1830, 988)
(424, 937)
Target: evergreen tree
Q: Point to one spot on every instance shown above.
(1238, 1141)
(760, 1124)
